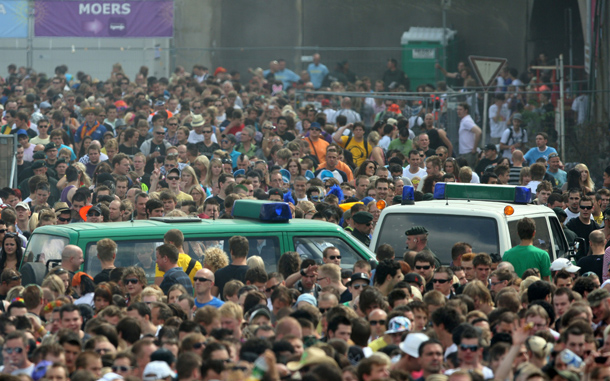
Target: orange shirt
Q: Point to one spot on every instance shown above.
(318, 148)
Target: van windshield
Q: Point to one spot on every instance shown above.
(443, 232)
(45, 247)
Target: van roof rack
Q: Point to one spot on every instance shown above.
(172, 220)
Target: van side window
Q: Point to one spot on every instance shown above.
(443, 232)
(542, 239)
(266, 247)
(313, 247)
(129, 253)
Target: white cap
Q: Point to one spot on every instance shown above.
(412, 342)
(564, 263)
(157, 370)
(111, 376)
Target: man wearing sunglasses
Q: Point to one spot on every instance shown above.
(470, 353)
(584, 225)
(442, 281)
(15, 355)
(204, 282)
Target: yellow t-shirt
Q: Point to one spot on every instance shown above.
(183, 261)
(377, 344)
(184, 197)
(359, 151)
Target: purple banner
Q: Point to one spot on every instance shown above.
(102, 18)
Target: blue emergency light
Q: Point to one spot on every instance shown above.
(408, 195)
(264, 211)
(482, 192)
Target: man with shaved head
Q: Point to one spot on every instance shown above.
(594, 262)
(204, 282)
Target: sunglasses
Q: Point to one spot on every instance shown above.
(442, 281)
(198, 345)
(586, 207)
(207, 132)
(159, 132)
(93, 214)
(271, 289)
(62, 219)
(2, 231)
(472, 348)
(224, 141)
(422, 267)
(131, 281)
(172, 124)
(201, 279)
(173, 178)
(122, 368)
(375, 322)
(323, 310)
(359, 286)
(333, 257)
(15, 350)
(369, 224)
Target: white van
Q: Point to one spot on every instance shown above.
(489, 226)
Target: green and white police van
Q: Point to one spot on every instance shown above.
(484, 216)
(269, 227)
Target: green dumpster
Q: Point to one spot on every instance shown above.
(422, 48)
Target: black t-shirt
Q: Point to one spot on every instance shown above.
(582, 230)
(346, 296)
(593, 263)
(287, 136)
(129, 151)
(103, 276)
(484, 163)
(208, 151)
(227, 274)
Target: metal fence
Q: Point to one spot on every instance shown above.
(8, 163)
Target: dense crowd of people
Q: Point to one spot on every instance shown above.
(192, 144)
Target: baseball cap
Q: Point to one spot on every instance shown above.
(564, 263)
(276, 192)
(596, 297)
(263, 310)
(157, 370)
(359, 276)
(307, 298)
(414, 278)
(491, 146)
(326, 174)
(22, 132)
(398, 324)
(517, 116)
(412, 342)
(24, 205)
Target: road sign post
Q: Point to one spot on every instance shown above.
(486, 69)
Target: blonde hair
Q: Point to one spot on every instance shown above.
(587, 183)
(54, 283)
(477, 290)
(84, 178)
(150, 291)
(215, 259)
(208, 178)
(332, 271)
(231, 310)
(255, 261)
(374, 138)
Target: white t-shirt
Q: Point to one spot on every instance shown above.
(520, 137)
(195, 138)
(467, 137)
(497, 128)
(384, 143)
(488, 374)
(420, 173)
